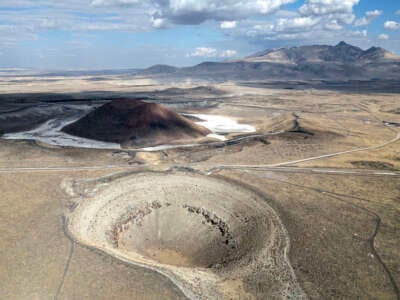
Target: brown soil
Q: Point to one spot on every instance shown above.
(380, 165)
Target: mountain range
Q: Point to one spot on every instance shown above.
(317, 62)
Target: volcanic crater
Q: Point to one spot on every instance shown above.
(183, 235)
(197, 230)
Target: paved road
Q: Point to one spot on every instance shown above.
(270, 167)
(335, 171)
(64, 168)
(212, 169)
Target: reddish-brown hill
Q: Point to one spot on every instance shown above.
(135, 123)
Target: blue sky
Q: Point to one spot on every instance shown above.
(103, 34)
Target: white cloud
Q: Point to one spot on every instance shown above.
(362, 33)
(228, 53)
(208, 52)
(316, 22)
(282, 26)
(340, 10)
(262, 6)
(228, 24)
(361, 22)
(204, 52)
(398, 12)
(369, 17)
(300, 30)
(333, 26)
(327, 7)
(295, 23)
(383, 36)
(392, 25)
(286, 14)
(196, 12)
(157, 22)
(374, 13)
(114, 2)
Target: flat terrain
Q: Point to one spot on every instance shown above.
(326, 163)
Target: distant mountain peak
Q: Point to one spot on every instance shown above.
(343, 44)
(340, 53)
(373, 48)
(159, 69)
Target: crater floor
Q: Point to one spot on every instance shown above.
(200, 231)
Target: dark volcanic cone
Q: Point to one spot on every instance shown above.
(135, 123)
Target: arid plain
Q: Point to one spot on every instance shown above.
(321, 173)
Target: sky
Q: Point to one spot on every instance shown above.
(114, 34)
